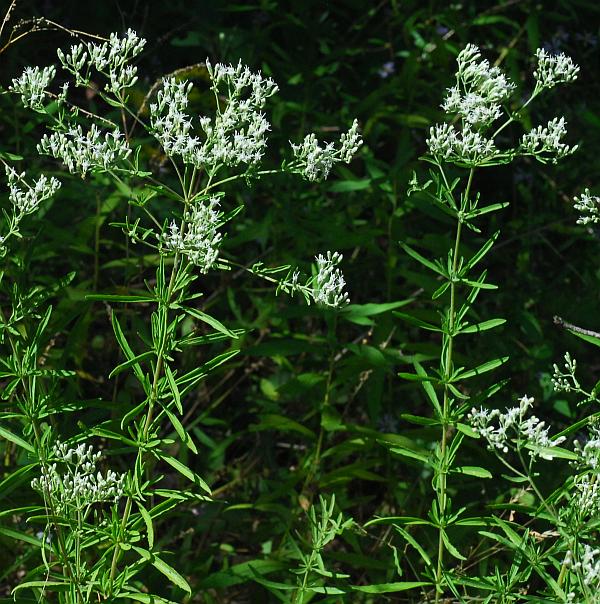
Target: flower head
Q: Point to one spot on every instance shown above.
(80, 484)
(546, 141)
(84, 151)
(328, 284)
(513, 426)
(479, 91)
(554, 69)
(199, 238)
(110, 58)
(589, 206)
(27, 198)
(32, 85)
(314, 161)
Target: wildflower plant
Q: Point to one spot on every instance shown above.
(184, 227)
(479, 106)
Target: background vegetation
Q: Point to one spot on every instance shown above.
(301, 411)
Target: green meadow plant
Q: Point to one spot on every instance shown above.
(100, 529)
(493, 504)
(480, 106)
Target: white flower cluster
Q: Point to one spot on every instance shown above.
(554, 69)
(547, 139)
(588, 565)
(328, 284)
(479, 91)
(84, 151)
(477, 99)
(467, 146)
(236, 135)
(32, 85)
(198, 239)
(590, 205)
(110, 58)
(587, 497)
(315, 162)
(565, 381)
(589, 452)
(170, 124)
(81, 485)
(27, 201)
(512, 425)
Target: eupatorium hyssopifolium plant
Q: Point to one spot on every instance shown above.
(480, 106)
(99, 527)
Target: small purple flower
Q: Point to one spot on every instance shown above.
(387, 69)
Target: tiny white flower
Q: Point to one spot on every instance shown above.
(315, 161)
(32, 85)
(328, 284)
(27, 198)
(81, 484)
(84, 151)
(512, 425)
(554, 69)
(199, 239)
(548, 140)
(589, 205)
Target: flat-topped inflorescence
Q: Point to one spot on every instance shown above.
(589, 206)
(514, 428)
(86, 151)
(32, 85)
(314, 161)
(80, 484)
(480, 97)
(554, 69)
(199, 238)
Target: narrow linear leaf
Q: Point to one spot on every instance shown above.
(148, 522)
(183, 469)
(430, 265)
(215, 323)
(181, 432)
(429, 390)
(473, 471)
(483, 368)
(117, 298)
(17, 440)
(127, 351)
(415, 544)
(451, 549)
(174, 388)
(171, 574)
(417, 322)
(483, 250)
(483, 326)
(385, 588)
(135, 361)
(410, 453)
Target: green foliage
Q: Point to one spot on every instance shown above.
(253, 427)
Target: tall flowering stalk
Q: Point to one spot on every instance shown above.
(204, 153)
(480, 106)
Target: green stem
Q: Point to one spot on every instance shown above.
(156, 376)
(27, 389)
(443, 470)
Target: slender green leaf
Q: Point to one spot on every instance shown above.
(216, 324)
(135, 361)
(427, 263)
(472, 471)
(483, 326)
(17, 440)
(483, 368)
